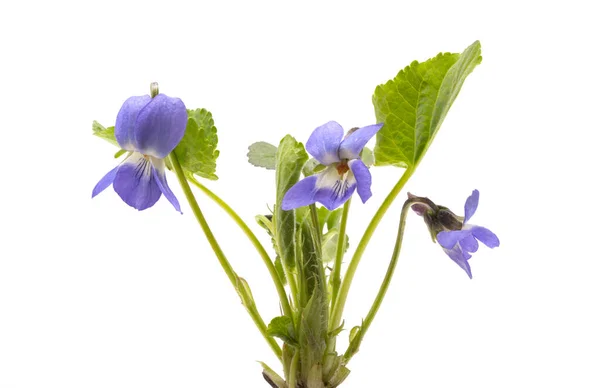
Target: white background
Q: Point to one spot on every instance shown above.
(96, 294)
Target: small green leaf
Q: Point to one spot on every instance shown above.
(265, 222)
(330, 241)
(107, 134)
(262, 154)
(283, 328)
(329, 218)
(338, 330)
(197, 152)
(290, 158)
(413, 105)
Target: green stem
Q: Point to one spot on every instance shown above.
(283, 298)
(339, 255)
(317, 228)
(353, 347)
(294, 369)
(235, 280)
(362, 245)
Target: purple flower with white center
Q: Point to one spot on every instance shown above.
(149, 128)
(344, 172)
(459, 244)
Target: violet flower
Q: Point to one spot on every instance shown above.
(344, 172)
(149, 128)
(459, 244)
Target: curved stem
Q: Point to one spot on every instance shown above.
(283, 298)
(237, 282)
(353, 347)
(362, 245)
(336, 279)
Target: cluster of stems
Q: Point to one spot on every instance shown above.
(339, 285)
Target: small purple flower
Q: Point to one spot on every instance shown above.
(345, 172)
(459, 244)
(149, 128)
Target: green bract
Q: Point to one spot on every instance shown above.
(413, 105)
(107, 134)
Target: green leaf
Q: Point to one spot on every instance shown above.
(413, 105)
(280, 271)
(290, 158)
(107, 134)
(331, 218)
(367, 157)
(262, 154)
(197, 152)
(330, 241)
(313, 332)
(283, 328)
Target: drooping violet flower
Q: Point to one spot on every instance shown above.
(344, 172)
(149, 128)
(459, 244)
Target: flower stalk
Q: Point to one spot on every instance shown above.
(235, 280)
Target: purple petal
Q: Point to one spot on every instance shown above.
(324, 142)
(351, 146)
(333, 198)
(449, 239)
(135, 182)
(332, 189)
(160, 126)
(126, 120)
(301, 194)
(469, 244)
(363, 178)
(161, 179)
(457, 256)
(485, 236)
(471, 205)
(106, 181)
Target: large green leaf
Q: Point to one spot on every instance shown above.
(413, 105)
(290, 158)
(197, 152)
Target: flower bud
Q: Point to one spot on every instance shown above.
(437, 218)
(154, 89)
